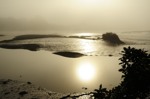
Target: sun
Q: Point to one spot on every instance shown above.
(90, 2)
(94, 3)
(87, 2)
(86, 72)
(89, 7)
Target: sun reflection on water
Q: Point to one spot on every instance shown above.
(86, 72)
(87, 46)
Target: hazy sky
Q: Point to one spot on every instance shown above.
(75, 15)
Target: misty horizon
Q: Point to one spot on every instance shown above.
(74, 49)
(12, 24)
(75, 15)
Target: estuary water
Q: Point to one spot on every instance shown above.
(63, 74)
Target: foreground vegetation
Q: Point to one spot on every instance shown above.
(135, 66)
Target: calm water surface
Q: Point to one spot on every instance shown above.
(58, 73)
(63, 74)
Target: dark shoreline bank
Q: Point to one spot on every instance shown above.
(26, 90)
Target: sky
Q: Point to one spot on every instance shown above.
(75, 15)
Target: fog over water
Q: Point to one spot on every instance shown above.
(64, 74)
(74, 15)
(72, 26)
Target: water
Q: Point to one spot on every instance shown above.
(63, 74)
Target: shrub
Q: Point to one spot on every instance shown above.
(135, 66)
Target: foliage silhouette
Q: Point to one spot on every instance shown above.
(135, 66)
(100, 93)
(136, 72)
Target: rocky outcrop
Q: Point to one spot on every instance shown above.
(31, 47)
(13, 89)
(69, 54)
(112, 38)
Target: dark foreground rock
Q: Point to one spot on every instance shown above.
(12, 89)
(70, 54)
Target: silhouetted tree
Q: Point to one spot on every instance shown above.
(135, 66)
(101, 93)
(136, 72)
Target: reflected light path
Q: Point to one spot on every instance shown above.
(86, 72)
(87, 46)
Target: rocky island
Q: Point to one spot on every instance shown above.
(112, 38)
